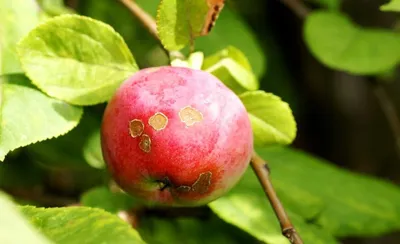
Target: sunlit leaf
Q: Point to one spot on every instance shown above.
(81, 225)
(233, 69)
(232, 30)
(393, 5)
(271, 119)
(14, 228)
(17, 18)
(29, 116)
(340, 44)
(76, 59)
(178, 22)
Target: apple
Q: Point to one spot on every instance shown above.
(176, 136)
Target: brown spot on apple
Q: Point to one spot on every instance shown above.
(183, 189)
(202, 183)
(158, 121)
(136, 128)
(145, 143)
(190, 115)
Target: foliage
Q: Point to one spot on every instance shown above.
(60, 65)
(340, 44)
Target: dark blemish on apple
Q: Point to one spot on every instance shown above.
(202, 183)
(164, 183)
(190, 115)
(183, 188)
(158, 121)
(145, 143)
(136, 128)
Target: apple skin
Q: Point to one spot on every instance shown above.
(176, 136)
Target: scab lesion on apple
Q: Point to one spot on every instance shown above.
(158, 121)
(136, 128)
(200, 186)
(202, 183)
(190, 115)
(145, 143)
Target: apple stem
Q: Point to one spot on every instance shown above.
(262, 171)
(258, 164)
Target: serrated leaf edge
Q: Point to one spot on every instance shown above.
(49, 22)
(67, 129)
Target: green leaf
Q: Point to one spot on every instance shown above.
(191, 231)
(14, 228)
(340, 44)
(194, 61)
(148, 52)
(17, 18)
(76, 59)
(232, 30)
(343, 203)
(271, 118)
(180, 21)
(29, 116)
(233, 69)
(81, 225)
(393, 5)
(247, 207)
(102, 197)
(54, 7)
(92, 151)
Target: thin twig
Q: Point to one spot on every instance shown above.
(147, 20)
(150, 24)
(389, 110)
(262, 171)
(297, 7)
(257, 162)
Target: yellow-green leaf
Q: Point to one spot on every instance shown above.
(231, 66)
(340, 44)
(76, 59)
(29, 116)
(271, 118)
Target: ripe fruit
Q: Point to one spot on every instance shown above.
(176, 136)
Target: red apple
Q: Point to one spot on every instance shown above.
(176, 136)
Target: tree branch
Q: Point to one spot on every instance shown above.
(262, 171)
(150, 24)
(147, 20)
(258, 164)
